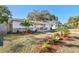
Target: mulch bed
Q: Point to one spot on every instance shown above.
(56, 47)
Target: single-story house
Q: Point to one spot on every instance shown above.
(15, 25)
(42, 26)
(38, 26)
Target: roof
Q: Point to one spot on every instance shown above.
(17, 19)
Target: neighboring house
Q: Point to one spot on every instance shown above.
(5, 28)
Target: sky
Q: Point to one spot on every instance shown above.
(62, 11)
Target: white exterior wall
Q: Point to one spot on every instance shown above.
(46, 27)
(3, 28)
(17, 26)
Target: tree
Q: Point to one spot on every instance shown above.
(41, 16)
(44, 16)
(73, 21)
(25, 23)
(4, 14)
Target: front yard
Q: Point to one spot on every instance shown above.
(12, 40)
(18, 43)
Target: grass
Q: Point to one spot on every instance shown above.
(70, 46)
(11, 37)
(24, 43)
(20, 43)
(3, 50)
(74, 30)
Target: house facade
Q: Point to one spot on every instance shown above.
(40, 26)
(16, 26)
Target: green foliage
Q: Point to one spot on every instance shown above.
(41, 16)
(45, 47)
(4, 14)
(73, 21)
(63, 30)
(54, 39)
(25, 23)
(3, 50)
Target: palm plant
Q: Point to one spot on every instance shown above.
(63, 30)
(26, 24)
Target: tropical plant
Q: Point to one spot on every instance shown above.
(54, 39)
(45, 47)
(64, 30)
(5, 14)
(63, 33)
(26, 23)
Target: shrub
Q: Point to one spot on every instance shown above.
(45, 47)
(54, 39)
(64, 30)
(40, 48)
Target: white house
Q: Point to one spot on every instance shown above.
(38, 26)
(16, 25)
(41, 26)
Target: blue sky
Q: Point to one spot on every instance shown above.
(62, 11)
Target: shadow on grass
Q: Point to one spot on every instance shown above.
(76, 37)
(72, 45)
(69, 45)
